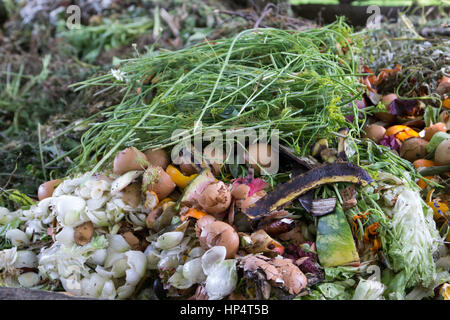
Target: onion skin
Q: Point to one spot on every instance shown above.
(83, 233)
(213, 233)
(157, 158)
(216, 162)
(46, 189)
(132, 240)
(129, 159)
(202, 223)
(374, 132)
(132, 195)
(413, 149)
(387, 99)
(152, 216)
(247, 202)
(240, 192)
(433, 129)
(188, 169)
(160, 182)
(277, 227)
(216, 198)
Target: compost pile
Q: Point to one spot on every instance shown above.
(142, 216)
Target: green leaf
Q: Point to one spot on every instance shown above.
(21, 199)
(431, 115)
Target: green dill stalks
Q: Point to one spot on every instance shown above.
(300, 83)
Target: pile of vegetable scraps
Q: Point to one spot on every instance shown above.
(347, 215)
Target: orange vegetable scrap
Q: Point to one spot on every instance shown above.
(194, 213)
(178, 178)
(423, 163)
(374, 80)
(376, 245)
(446, 103)
(401, 132)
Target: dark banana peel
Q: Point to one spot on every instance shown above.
(326, 174)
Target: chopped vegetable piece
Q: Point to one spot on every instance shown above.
(335, 244)
(180, 179)
(194, 213)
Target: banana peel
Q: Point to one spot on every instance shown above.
(314, 178)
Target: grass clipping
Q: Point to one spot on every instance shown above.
(302, 83)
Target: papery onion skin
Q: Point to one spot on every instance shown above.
(217, 233)
(247, 202)
(413, 149)
(83, 233)
(433, 129)
(240, 191)
(216, 198)
(129, 159)
(46, 189)
(159, 182)
(157, 158)
(374, 132)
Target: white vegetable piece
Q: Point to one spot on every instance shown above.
(137, 265)
(7, 216)
(196, 253)
(66, 236)
(221, 274)
(117, 247)
(8, 258)
(96, 204)
(222, 280)
(416, 238)
(3, 211)
(169, 240)
(28, 279)
(17, 237)
(109, 290)
(212, 258)
(26, 259)
(178, 281)
(193, 271)
(67, 186)
(94, 285)
(68, 262)
(99, 257)
(34, 227)
(153, 257)
(168, 263)
(68, 210)
(369, 290)
(124, 180)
